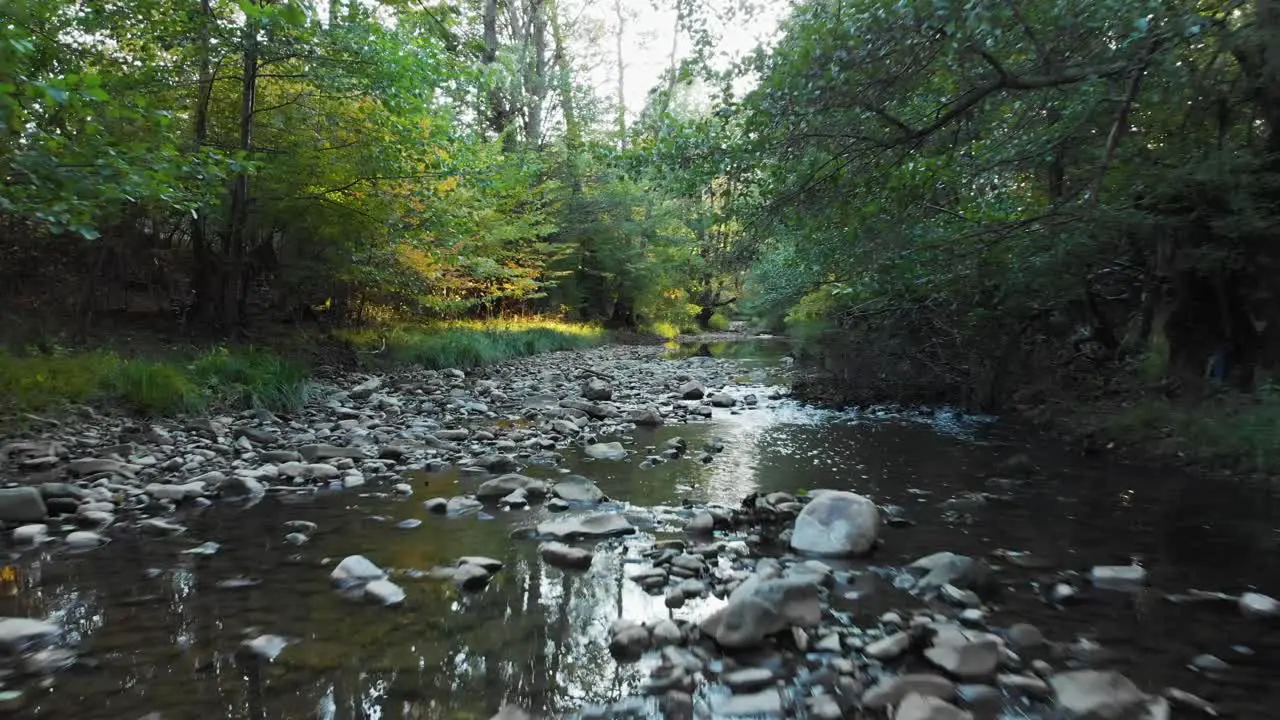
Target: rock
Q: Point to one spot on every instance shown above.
(20, 635)
(356, 569)
(597, 389)
(1125, 578)
(722, 400)
(606, 451)
(30, 534)
(384, 592)
(565, 556)
(762, 607)
(317, 452)
(462, 505)
(515, 499)
(588, 526)
(160, 527)
(836, 523)
(297, 538)
(1257, 606)
(365, 389)
(891, 691)
(1024, 636)
(1019, 465)
(506, 484)
(628, 639)
(703, 523)
(766, 703)
(956, 596)
(692, 390)
(280, 457)
(21, 505)
(205, 549)
(267, 647)
(437, 505)
(575, 488)
(1194, 702)
(1209, 663)
(84, 540)
(1096, 694)
(238, 486)
(948, 568)
(665, 632)
(646, 416)
(925, 707)
(972, 660)
(888, 648)
(95, 466)
(1025, 684)
(748, 678)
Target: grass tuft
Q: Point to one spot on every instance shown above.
(1242, 431)
(466, 344)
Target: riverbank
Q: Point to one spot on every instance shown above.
(607, 533)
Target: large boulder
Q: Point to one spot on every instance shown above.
(692, 390)
(356, 569)
(21, 505)
(586, 526)
(577, 489)
(1097, 695)
(948, 568)
(506, 484)
(836, 523)
(647, 415)
(606, 451)
(763, 606)
(597, 389)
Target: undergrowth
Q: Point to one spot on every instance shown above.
(215, 379)
(1241, 431)
(471, 343)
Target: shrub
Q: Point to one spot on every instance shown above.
(464, 344)
(718, 322)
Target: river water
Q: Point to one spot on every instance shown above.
(159, 631)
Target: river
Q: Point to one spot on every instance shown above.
(159, 632)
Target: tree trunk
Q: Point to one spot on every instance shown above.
(238, 233)
(536, 72)
(203, 270)
(622, 98)
(497, 103)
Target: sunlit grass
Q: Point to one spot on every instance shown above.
(215, 379)
(472, 343)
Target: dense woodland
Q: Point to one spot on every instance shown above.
(972, 198)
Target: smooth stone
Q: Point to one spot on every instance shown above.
(267, 647)
(915, 706)
(606, 451)
(1125, 578)
(1024, 636)
(1096, 694)
(1257, 606)
(356, 568)
(890, 647)
(762, 607)
(890, 691)
(506, 484)
(409, 524)
(561, 555)
(204, 549)
(1209, 663)
(974, 660)
(462, 505)
(590, 526)
(85, 539)
(1025, 684)
(578, 489)
(766, 703)
(628, 639)
(666, 632)
(748, 678)
(22, 505)
(836, 523)
(703, 523)
(437, 505)
(384, 592)
(30, 534)
(19, 635)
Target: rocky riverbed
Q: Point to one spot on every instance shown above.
(622, 532)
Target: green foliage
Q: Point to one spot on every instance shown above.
(1240, 432)
(718, 322)
(465, 344)
(217, 379)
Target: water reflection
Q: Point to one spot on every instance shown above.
(166, 640)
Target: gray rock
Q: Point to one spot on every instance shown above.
(30, 534)
(160, 527)
(628, 639)
(1209, 663)
(384, 592)
(1125, 578)
(1257, 606)
(606, 451)
(692, 390)
(95, 466)
(19, 635)
(975, 660)
(956, 596)
(722, 400)
(748, 678)
(766, 703)
(597, 389)
(925, 707)
(515, 499)
(891, 691)
(437, 505)
(665, 632)
(496, 462)
(646, 416)
(281, 456)
(1096, 694)
(575, 488)
(586, 526)
(948, 568)
(565, 556)
(506, 484)
(316, 452)
(21, 505)
(1024, 636)
(238, 486)
(84, 540)
(462, 505)
(1024, 684)
(468, 576)
(762, 607)
(836, 523)
(703, 523)
(355, 569)
(267, 647)
(890, 647)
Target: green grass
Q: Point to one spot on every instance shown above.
(465, 344)
(216, 379)
(1238, 431)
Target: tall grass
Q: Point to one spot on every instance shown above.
(215, 379)
(471, 343)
